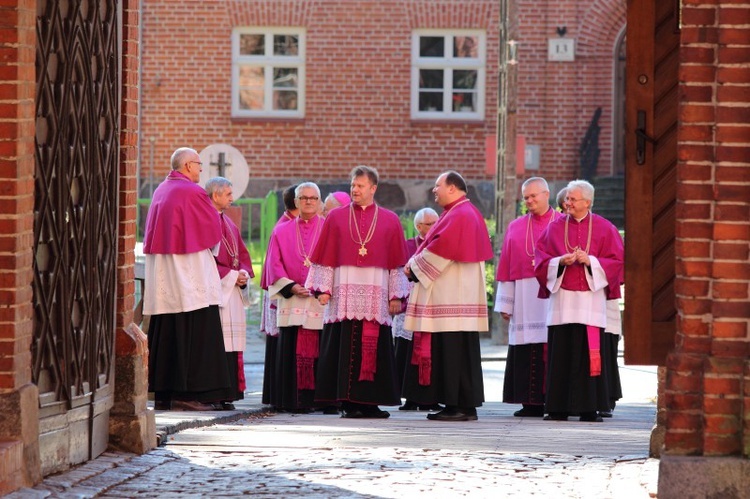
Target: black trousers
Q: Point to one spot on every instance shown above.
(186, 358)
(456, 374)
(337, 376)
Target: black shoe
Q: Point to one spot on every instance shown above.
(224, 406)
(556, 416)
(358, 414)
(591, 417)
(605, 414)
(374, 412)
(431, 407)
(453, 415)
(531, 411)
(331, 409)
(353, 414)
(409, 406)
(470, 411)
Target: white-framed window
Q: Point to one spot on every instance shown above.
(448, 74)
(268, 72)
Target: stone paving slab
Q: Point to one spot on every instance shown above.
(373, 472)
(315, 455)
(627, 434)
(252, 452)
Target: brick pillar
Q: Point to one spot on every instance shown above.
(708, 393)
(132, 425)
(656, 442)
(19, 433)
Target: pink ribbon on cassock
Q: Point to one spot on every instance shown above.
(241, 382)
(370, 333)
(308, 349)
(595, 357)
(422, 356)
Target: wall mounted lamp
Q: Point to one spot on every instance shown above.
(512, 54)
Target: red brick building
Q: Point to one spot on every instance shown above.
(355, 86)
(72, 364)
(308, 89)
(570, 58)
(700, 120)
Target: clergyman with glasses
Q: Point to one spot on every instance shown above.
(579, 262)
(356, 274)
(187, 365)
(518, 302)
(299, 315)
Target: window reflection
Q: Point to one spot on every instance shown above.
(251, 87)
(430, 78)
(466, 46)
(464, 78)
(251, 76)
(431, 46)
(464, 102)
(285, 45)
(285, 77)
(285, 99)
(251, 98)
(252, 45)
(430, 101)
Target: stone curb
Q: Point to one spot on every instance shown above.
(163, 431)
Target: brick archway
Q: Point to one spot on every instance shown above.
(599, 31)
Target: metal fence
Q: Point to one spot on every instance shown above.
(259, 216)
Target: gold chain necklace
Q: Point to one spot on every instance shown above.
(571, 249)
(233, 248)
(370, 232)
(530, 236)
(301, 245)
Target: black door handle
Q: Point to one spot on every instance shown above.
(641, 137)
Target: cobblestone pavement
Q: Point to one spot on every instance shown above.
(284, 455)
(250, 452)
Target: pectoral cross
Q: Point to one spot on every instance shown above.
(307, 262)
(362, 250)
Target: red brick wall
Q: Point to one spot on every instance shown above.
(357, 88)
(19, 452)
(17, 88)
(557, 100)
(128, 163)
(708, 383)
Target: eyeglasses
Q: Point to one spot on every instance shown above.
(196, 162)
(428, 224)
(573, 200)
(308, 198)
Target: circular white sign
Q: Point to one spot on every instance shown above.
(223, 160)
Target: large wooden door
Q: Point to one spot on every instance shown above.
(650, 179)
(75, 226)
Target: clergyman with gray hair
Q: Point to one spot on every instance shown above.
(424, 219)
(235, 270)
(518, 303)
(299, 314)
(187, 365)
(579, 263)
